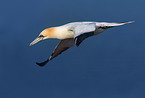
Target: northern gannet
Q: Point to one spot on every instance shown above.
(72, 33)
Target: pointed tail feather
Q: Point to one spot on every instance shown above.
(122, 23)
(113, 24)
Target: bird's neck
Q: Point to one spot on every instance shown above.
(62, 33)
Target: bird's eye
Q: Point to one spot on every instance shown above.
(70, 30)
(41, 36)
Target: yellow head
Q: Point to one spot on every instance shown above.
(45, 34)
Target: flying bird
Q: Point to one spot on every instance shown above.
(72, 33)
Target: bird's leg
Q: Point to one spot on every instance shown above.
(43, 63)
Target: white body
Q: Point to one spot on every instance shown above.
(72, 33)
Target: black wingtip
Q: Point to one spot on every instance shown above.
(40, 64)
(43, 63)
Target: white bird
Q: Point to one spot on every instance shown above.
(72, 33)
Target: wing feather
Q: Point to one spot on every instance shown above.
(79, 30)
(79, 39)
(61, 47)
(83, 31)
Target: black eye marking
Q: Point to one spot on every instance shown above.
(41, 36)
(70, 30)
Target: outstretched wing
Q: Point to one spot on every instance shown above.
(83, 31)
(61, 47)
(79, 39)
(85, 28)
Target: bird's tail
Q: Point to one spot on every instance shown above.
(121, 23)
(112, 24)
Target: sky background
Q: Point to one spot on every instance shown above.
(109, 65)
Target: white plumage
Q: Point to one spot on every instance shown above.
(73, 33)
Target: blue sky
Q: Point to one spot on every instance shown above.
(111, 64)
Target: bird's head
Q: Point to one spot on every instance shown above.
(45, 34)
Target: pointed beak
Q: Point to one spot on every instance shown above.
(38, 39)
